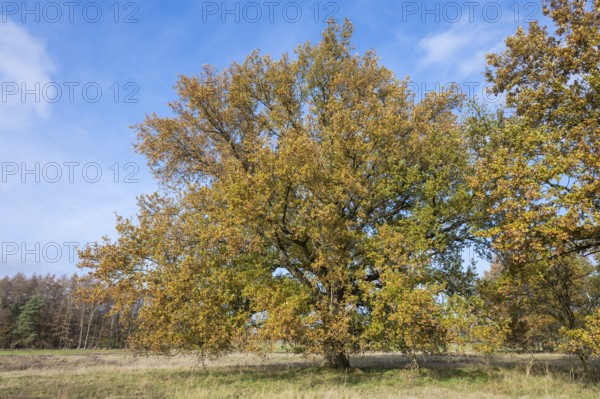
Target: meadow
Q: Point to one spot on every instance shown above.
(119, 374)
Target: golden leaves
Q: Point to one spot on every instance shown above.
(535, 170)
(304, 198)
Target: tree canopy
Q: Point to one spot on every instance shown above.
(539, 169)
(310, 200)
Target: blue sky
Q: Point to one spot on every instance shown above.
(75, 75)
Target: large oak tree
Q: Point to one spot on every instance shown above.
(308, 199)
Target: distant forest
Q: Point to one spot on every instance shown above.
(47, 312)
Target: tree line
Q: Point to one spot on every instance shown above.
(48, 312)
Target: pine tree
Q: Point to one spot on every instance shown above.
(27, 328)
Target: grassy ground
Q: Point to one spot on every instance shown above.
(107, 374)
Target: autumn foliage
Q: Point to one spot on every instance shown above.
(312, 200)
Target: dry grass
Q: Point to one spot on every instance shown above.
(110, 374)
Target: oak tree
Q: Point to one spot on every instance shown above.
(309, 200)
(539, 165)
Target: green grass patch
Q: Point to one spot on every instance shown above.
(115, 375)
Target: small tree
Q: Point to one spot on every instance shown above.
(28, 326)
(541, 306)
(585, 341)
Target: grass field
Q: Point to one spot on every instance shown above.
(117, 374)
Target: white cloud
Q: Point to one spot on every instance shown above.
(443, 46)
(24, 60)
(461, 49)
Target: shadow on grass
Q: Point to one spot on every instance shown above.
(368, 370)
(311, 376)
(468, 375)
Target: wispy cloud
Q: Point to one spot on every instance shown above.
(24, 62)
(443, 46)
(461, 49)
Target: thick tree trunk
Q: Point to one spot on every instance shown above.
(337, 360)
(335, 357)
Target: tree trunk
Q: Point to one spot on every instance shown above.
(81, 327)
(335, 357)
(87, 333)
(337, 360)
(584, 360)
